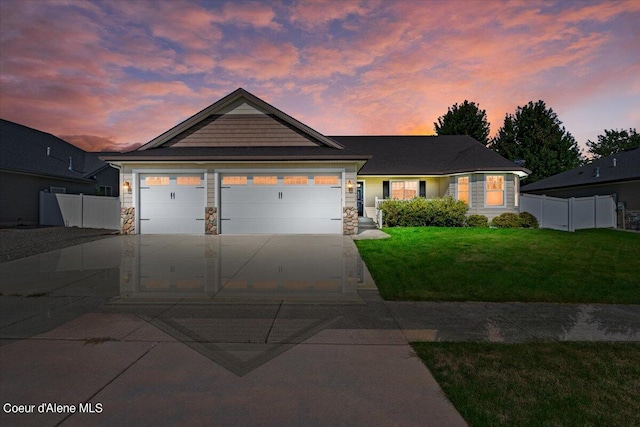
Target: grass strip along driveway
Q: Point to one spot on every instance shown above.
(539, 384)
(482, 264)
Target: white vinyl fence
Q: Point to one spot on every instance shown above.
(78, 210)
(571, 214)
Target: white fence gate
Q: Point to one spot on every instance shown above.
(78, 210)
(571, 214)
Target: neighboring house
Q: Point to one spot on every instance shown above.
(32, 161)
(241, 166)
(617, 174)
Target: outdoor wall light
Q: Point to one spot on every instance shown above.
(127, 187)
(350, 186)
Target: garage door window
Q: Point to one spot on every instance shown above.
(265, 180)
(234, 180)
(189, 180)
(156, 180)
(325, 180)
(296, 180)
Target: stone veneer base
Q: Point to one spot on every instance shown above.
(349, 221)
(128, 220)
(210, 220)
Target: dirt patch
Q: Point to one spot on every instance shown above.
(16, 243)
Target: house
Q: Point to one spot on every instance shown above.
(242, 166)
(617, 174)
(32, 161)
(402, 167)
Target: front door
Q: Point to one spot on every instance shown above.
(360, 198)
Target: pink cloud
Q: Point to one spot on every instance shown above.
(314, 13)
(261, 60)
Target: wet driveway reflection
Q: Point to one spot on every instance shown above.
(243, 268)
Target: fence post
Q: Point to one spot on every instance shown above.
(544, 202)
(570, 214)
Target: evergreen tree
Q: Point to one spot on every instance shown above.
(464, 119)
(613, 141)
(535, 135)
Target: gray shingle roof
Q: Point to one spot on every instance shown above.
(425, 155)
(23, 149)
(627, 167)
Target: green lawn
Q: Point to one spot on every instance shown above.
(474, 264)
(539, 384)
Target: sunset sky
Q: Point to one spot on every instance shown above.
(107, 75)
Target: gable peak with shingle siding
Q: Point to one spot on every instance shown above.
(598, 171)
(24, 149)
(247, 107)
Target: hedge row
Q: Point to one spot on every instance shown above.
(446, 212)
(419, 212)
(506, 220)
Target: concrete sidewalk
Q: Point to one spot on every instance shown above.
(259, 364)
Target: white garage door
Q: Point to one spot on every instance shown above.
(172, 203)
(281, 203)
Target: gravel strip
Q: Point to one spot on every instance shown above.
(21, 243)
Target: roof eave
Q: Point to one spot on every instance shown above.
(574, 185)
(118, 160)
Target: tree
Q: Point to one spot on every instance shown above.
(535, 135)
(613, 141)
(464, 119)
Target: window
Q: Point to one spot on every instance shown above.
(150, 181)
(234, 180)
(265, 180)
(296, 180)
(404, 190)
(189, 180)
(104, 190)
(325, 180)
(463, 189)
(494, 190)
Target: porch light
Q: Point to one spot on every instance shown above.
(127, 187)
(350, 186)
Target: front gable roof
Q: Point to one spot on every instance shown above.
(618, 167)
(240, 119)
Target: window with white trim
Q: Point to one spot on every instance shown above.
(464, 189)
(494, 190)
(404, 190)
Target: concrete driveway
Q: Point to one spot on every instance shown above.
(210, 330)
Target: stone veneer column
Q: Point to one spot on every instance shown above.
(128, 220)
(349, 220)
(210, 220)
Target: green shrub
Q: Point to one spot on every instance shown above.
(480, 221)
(527, 220)
(506, 220)
(419, 212)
